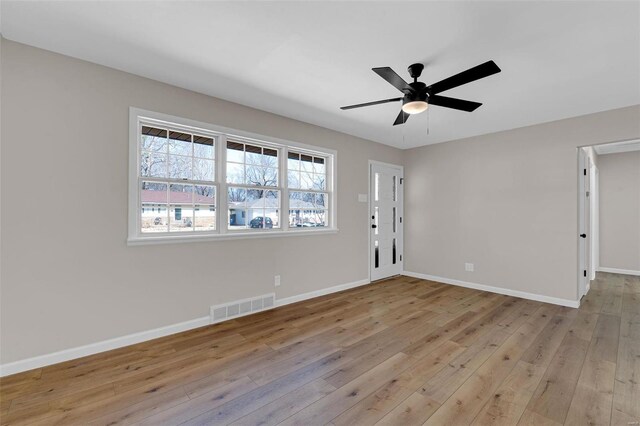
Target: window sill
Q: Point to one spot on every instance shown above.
(236, 235)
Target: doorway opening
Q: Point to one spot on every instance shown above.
(607, 230)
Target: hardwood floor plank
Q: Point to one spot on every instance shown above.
(553, 396)
(506, 405)
(593, 397)
(414, 410)
(626, 398)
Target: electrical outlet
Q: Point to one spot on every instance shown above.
(468, 267)
(276, 281)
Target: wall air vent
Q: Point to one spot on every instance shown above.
(240, 308)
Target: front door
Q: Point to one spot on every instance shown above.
(385, 220)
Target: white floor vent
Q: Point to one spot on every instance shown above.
(242, 307)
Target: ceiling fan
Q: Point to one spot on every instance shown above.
(418, 96)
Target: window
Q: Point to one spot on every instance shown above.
(176, 175)
(253, 191)
(194, 180)
(307, 183)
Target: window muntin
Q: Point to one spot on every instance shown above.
(175, 160)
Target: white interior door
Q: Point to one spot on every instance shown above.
(385, 216)
(583, 223)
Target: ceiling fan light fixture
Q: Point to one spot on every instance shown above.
(415, 107)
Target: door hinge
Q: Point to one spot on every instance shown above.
(585, 172)
(585, 272)
(401, 181)
(400, 258)
(401, 220)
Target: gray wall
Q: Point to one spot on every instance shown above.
(506, 202)
(68, 277)
(620, 210)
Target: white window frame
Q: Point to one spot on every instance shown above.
(136, 237)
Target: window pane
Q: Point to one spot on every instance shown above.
(203, 147)
(306, 163)
(306, 180)
(237, 218)
(321, 200)
(180, 218)
(203, 169)
(258, 220)
(180, 143)
(235, 152)
(318, 165)
(293, 179)
(319, 182)
(293, 161)
(153, 192)
(180, 194)
(153, 139)
(154, 218)
(179, 167)
(235, 173)
(153, 164)
(205, 217)
(310, 218)
(204, 194)
(269, 152)
(153, 197)
(253, 154)
(261, 176)
(255, 198)
(238, 196)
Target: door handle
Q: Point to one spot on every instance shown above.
(583, 235)
(374, 226)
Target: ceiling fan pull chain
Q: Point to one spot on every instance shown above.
(428, 121)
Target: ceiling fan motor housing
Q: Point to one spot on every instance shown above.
(415, 70)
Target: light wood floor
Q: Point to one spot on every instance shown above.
(398, 352)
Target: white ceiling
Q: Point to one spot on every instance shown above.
(306, 59)
(618, 147)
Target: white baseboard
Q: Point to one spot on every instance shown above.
(321, 292)
(619, 271)
(131, 339)
(94, 348)
(499, 290)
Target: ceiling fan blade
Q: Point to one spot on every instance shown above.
(384, 101)
(392, 77)
(401, 119)
(472, 74)
(454, 103)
